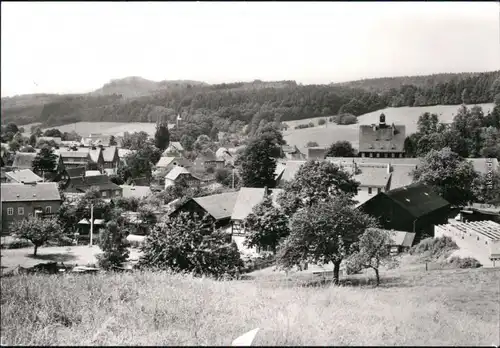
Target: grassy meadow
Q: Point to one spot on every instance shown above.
(327, 134)
(437, 307)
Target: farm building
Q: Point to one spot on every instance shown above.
(21, 200)
(381, 140)
(480, 212)
(106, 188)
(316, 152)
(414, 208)
(480, 237)
(292, 152)
(248, 198)
(218, 207)
(208, 159)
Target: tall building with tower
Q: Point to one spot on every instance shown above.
(382, 140)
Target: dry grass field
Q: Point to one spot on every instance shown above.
(438, 307)
(327, 134)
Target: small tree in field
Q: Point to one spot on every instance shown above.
(113, 243)
(266, 225)
(186, 244)
(371, 251)
(37, 230)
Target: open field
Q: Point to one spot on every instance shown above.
(442, 307)
(107, 128)
(327, 134)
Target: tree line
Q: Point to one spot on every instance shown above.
(242, 103)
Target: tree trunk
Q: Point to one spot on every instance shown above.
(36, 249)
(336, 272)
(377, 275)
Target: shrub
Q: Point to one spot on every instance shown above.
(434, 247)
(345, 119)
(311, 125)
(321, 121)
(302, 126)
(113, 243)
(466, 262)
(17, 244)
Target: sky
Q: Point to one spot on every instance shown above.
(73, 47)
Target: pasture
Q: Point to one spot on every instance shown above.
(327, 134)
(106, 128)
(439, 307)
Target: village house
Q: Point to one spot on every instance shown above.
(292, 153)
(168, 163)
(22, 200)
(401, 241)
(21, 176)
(218, 208)
(106, 188)
(208, 159)
(95, 139)
(180, 173)
(111, 159)
(248, 198)
(481, 238)
(174, 149)
(381, 140)
(414, 208)
(75, 158)
(75, 172)
(225, 155)
(132, 191)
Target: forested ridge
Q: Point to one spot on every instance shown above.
(249, 102)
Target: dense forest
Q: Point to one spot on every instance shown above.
(237, 104)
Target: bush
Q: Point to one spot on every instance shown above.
(311, 124)
(345, 119)
(466, 262)
(113, 243)
(302, 126)
(17, 244)
(321, 121)
(255, 263)
(434, 247)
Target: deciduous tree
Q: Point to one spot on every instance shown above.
(341, 149)
(45, 161)
(37, 230)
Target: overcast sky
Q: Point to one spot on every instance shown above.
(71, 47)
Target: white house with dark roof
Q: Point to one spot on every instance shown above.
(180, 173)
(22, 200)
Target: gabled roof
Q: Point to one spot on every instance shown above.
(164, 162)
(220, 206)
(80, 153)
(175, 172)
(135, 191)
(102, 183)
(249, 197)
(23, 175)
(76, 171)
(94, 154)
(291, 168)
(373, 176)
(174, 146)
(44, 191)
(109, 153)
(402, 238)
(24, 160)
(418, 199)
(223, 153)
(381, 139)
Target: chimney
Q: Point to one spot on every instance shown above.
(382, 120)
(266, 191)
(388, 168)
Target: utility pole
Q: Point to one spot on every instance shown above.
(91, 223)
(233, 177)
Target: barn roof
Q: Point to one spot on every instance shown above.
(76, 171)
(175, 172)
(418, 199)
(82, 184)
(44, 191)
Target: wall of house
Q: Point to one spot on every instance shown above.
(374, 191)
(389, 214)
(169, 182)
(382, 154)
(111, 193)
(29, 208)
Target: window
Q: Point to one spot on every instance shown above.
(104, 193)
(20, 211)
(117, 193)
(48, 209)
(10, 211)
(369, 190)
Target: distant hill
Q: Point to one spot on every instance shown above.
(135, 86)
(386, 83)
